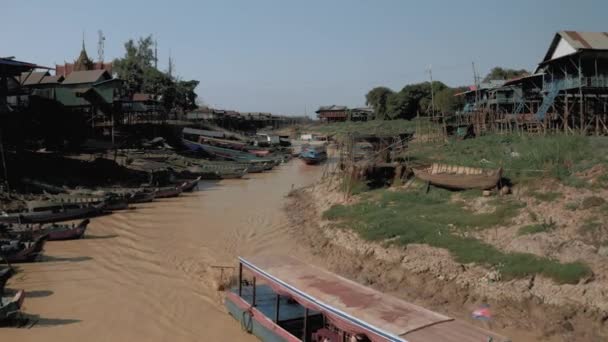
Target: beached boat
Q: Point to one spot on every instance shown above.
(10, 307)
(279, 298)
(52, 211)
(21, 251)
(459, 177)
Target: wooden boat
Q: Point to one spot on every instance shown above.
(279, 298)
(21, 251)
(10, 307)
(143, 196)
(112, 201)
(166, 191)
(50, 211)
(188, 185)
(313, 155)
(459, 177)
(5, 274)
(53, 232)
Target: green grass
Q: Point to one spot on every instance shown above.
(416, 217)
(523, 158)
(572, 206)
(545, 196)
(536, 228)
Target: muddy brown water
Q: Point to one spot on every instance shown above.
(146, 274)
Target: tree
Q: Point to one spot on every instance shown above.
(446, 102)
(137, 69)
(498, 73)
(412, 99)
(377, 98)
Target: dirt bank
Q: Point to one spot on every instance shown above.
(526, 309)
(145, 274)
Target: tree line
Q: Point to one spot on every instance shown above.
(137, 69)
(415, 99)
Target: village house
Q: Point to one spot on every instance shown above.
(332, 113)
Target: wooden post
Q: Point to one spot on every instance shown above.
(580, 92)
(254, 288)
(305, 333)
(240, 279)
(276, 308)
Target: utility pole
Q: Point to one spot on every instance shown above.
(430, 70)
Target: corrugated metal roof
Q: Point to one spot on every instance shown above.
(31, 78)
(579, 41)
(87, 76)
(52, 79)
(586, 40)
(331, 108)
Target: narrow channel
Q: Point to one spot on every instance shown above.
(147, 274)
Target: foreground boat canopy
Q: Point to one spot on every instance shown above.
(358, 309)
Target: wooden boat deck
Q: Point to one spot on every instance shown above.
(383, 316)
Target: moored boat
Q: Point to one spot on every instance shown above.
(21, 251)
(53, 232)
(459, 177)
(279, 298)
(187, 185)
(166, 191)
(313, 155)
(10, 307)
(52, 211)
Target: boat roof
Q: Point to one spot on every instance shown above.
(358, 307)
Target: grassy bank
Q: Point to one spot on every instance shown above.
(522, 157)
(382, 127)
(436, 220)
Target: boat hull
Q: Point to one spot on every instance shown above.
(255, 322)
(28, 254)
(72, 233)
(482, 181)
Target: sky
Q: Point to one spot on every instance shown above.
(290, 57)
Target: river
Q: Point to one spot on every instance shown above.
(146, 274)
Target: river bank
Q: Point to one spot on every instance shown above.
(523, 309)
(146, 274)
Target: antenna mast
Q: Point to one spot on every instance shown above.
(100, 45)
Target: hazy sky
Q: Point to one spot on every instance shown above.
(284, 56)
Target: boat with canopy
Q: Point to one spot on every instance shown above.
(280, 298)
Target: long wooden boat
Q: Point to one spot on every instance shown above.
(112, 202)
(53, 232)
(5, 274)
(50, 211)
(459, 177)
(10, 307)
(219, 152)
(187, 185)
(22, 251)
(166, 191)
(279, 298)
